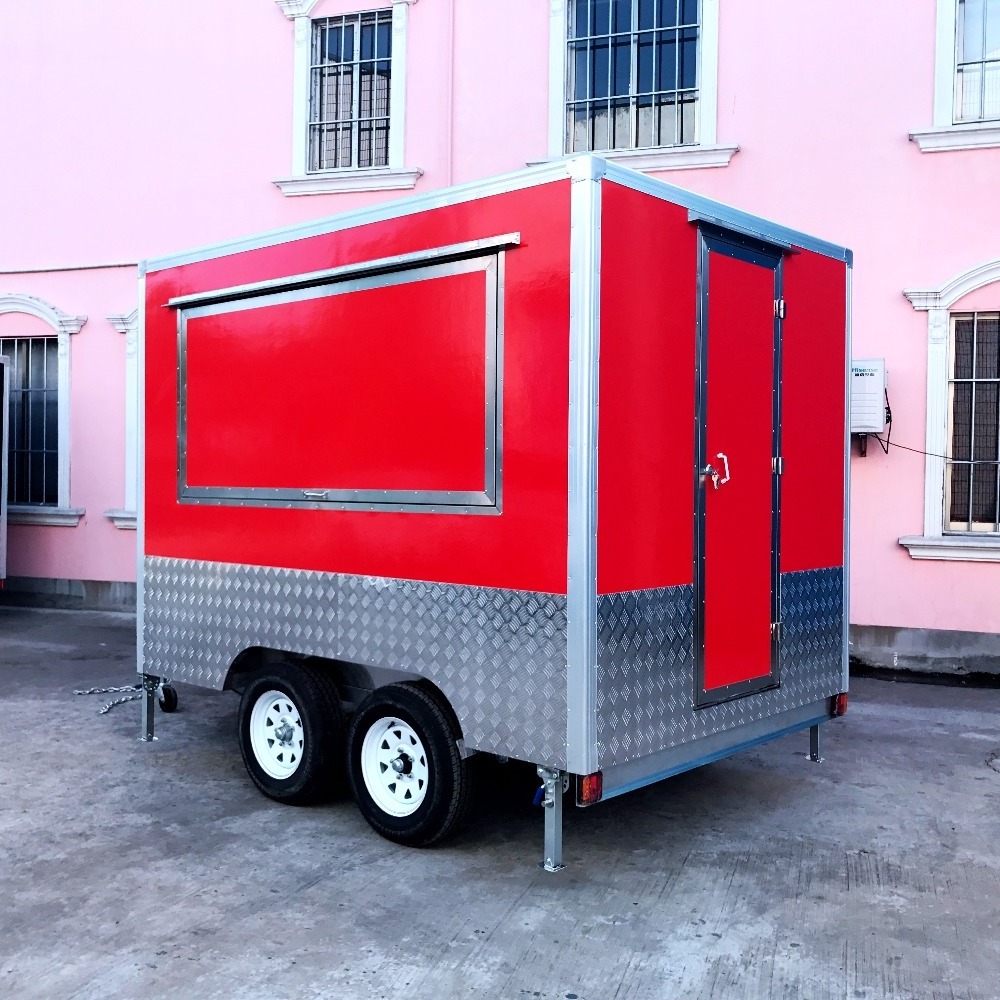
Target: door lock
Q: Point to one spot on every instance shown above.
(711, 472)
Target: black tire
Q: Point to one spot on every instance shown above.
(168, 699)
(306, 767)
(445, 801)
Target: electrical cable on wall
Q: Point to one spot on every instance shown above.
(918, 451)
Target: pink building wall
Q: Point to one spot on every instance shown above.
(139, 129)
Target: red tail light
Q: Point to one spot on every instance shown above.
(839, 704)
(589, 788)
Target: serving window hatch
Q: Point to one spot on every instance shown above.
(398, 368)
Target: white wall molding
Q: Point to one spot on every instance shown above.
(665, 158)
(957, 288)
(127, 520)
(61, 322)
(395, 176)
(706, 122)
(946, 134)
(961, 548)
(334, 181)
(937, 302)
(945, 138)
(296, 8)
(63, 327)
(50, 517)
(944, 63)
(128, 325)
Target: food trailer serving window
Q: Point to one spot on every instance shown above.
(398, 364)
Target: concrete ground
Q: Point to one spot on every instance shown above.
(157, 870)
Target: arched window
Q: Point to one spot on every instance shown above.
(38, 435)
(962, 465)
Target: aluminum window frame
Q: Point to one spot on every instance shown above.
(317, 130)
(968, 526)
(50, 385)
(987, 66)
(635, 35)
(486, 256)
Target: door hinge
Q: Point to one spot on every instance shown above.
(777, 465)
(776, 629)
(779, 308)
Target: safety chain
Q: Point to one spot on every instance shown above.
(134, 693)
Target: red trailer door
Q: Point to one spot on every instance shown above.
(737, 492)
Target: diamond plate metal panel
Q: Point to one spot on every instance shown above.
(645, 665)
(499, 656)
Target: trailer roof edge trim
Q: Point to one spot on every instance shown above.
(723, 214)
(585, 165)
(393, 209)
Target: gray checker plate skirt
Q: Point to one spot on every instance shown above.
(645, 666)
(499, 656)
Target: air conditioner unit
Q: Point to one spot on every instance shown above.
(868, 384)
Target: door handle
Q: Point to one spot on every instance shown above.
(725, 465)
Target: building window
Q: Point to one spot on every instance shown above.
(348, 101)
(632, 74)
(349, 91)
(977, 61)
(973, 468)
(33, 420)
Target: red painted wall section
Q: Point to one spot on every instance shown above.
(522, 548)
(645, 485)
(812, 423)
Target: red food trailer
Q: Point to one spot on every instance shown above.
(550, 466)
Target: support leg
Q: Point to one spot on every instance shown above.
(553, 802)
(149, 686)
(814, 745)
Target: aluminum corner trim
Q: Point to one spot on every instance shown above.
(140, 471)
(581, 584)
(849, 292)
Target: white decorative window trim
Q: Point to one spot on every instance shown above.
(936, 302)
(63, 327)
(953, 547)
(706, 122)
(946, 134)
(667, 158)
(396, 176)
(296, 8)
(975, 135)
(128, 324)
(125, 519)
(52, 517)
(363, 179)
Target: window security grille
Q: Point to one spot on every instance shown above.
(632, 74)
(349, 91)
(974, 466)
(33, 428)
(977, 61)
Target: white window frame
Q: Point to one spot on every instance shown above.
(704, 153)
(128, 325)
(63, 326)
(394, 177)
(946, 134)
(937, 303)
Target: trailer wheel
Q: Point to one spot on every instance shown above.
(290, 729)
(168, 699)
(408, 778)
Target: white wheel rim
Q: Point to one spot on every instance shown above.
(276, 734)
(394, 766)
